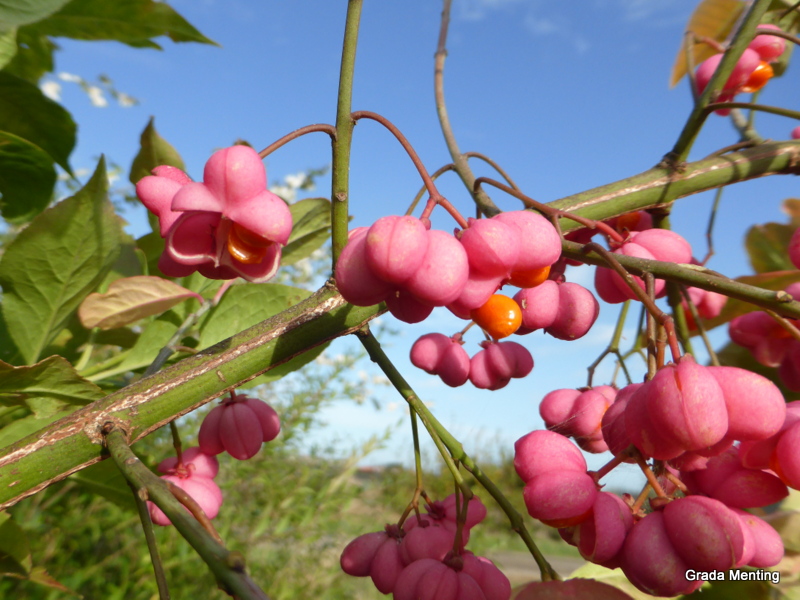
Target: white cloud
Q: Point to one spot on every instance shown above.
(475, 10)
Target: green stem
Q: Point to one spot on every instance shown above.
(340, 184)
(417, 453)
(699, 113)
(455, 449)
(660, 186)
(150, 538)
(52, 453)
(227, 566)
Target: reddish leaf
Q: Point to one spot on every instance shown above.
(130, 299)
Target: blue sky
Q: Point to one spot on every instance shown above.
(565, 95)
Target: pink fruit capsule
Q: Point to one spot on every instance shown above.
(600, 537)
(650, 561)
(768, 47)
(395, 248)
(427, 351)
(542, 451)
(540, 305)
(705, 533)
(756, 407)
(560, 498)
(405, 307)
(556, 410)
(443, 273)
(355, 280)
(768, 546)
(492, 246)
(664, 245)
(577, 312)
(539, 243)
(685, 404)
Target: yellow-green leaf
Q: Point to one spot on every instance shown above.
(712, 19)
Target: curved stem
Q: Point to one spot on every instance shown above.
(494, 165)
(454, 448)
(553, 213)
(340, 172)
(412, 154)
(324, 127)
(459, 160)
(775, 110)
(421, 192)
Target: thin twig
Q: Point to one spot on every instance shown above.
(323, 127)
(462, 167)
(494, 165)
(152, 547)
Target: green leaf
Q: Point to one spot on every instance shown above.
(769, 281)
(8, 351)
(154, 151)
(34, 55)
(15, 552)
(27, 179)
(713, 19)
(243, 306)
(311, 220)
(40, 576)
(54, 378)
(131, 299)
(154, 337)
(106, 480)
(22, 12)
(53, 264)
(768, 245)
(26, 112)
(133, 22)
(725, 590)
(8, 45)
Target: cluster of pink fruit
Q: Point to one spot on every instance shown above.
(402, 261)
(491, 368)
(426, 557)
(637, 238)
(770, 344)
(752, 71)
(727, 442)
(238, 426)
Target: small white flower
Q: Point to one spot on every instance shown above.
(70, 77)
(125, 100)
(96, 96)
(51, 89)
